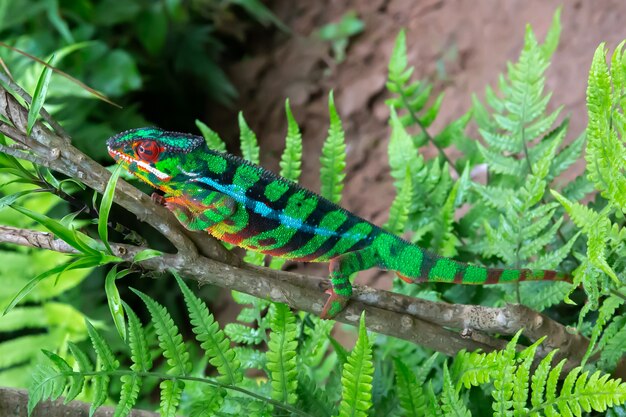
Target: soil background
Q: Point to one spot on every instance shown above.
(460, 46)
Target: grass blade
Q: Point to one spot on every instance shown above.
(105, 208)
(39, 96)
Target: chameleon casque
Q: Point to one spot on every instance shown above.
(246, 205)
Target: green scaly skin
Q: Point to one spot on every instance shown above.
(248, 206)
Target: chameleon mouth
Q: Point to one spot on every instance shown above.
(119, 156)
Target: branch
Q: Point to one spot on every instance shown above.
(14, 403)
(56, 153)
(427, 323)
(420, 321)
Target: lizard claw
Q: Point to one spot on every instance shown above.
(158, 199)
(334, 305)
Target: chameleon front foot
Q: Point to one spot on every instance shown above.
(334, 305)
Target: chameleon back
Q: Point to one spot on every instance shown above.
(273, 215)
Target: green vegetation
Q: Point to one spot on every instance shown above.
(273, 361)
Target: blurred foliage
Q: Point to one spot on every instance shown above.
(339, 34)
(158, 59)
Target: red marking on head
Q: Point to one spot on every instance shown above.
(147, 150)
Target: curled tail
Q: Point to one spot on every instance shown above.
(415, 265)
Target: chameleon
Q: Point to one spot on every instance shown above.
(246, 205)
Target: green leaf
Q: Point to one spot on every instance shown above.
(356, 378)
(105, 208)
(281, 354)
(131, 385)
(146, 254)
(399, 211)
(170, 339)
(171, 393)
(39, 96)
(211, 137)
(451, 403)
(410, 392)
(115, 301)
(212, 339)
(107, 361)
(249, 145)
(77, 240)
(333, 159)
(291, 160)
(138, 343)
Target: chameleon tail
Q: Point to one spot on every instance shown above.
(416, 265)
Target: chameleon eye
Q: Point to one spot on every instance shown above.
(147, 150)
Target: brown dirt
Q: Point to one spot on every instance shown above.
(473, 40)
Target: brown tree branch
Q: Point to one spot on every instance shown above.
(420, 321)
(62, 157)
(427, 323)
(14, 403)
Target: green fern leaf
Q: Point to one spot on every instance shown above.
(613, 349)
(291, 160)
(171, 392)
(410, 392)
(170, 339)
(138, 343)
(312, 399)
(247, 138)
(522, 378)
(46, 383)
(107, 362)
(504, 380)
(356, 379)
(333, 159)
(474, 368)
(81, 358)
(539, 378)
(76, 381)
(399, 211)
(212, 339)
(451, 403)
(211, 137)
(281, 354)
(243, 334)
(131, 384)
(250, 358)
(210, 403)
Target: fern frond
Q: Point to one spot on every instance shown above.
(474, 368)
(76, 381)
(247, 138)
(451, 403)
(281, 354)
(171, 392)
(212, 339)
(583, 392)
(613, 349)
(244, 334)
(605, 151)
(213, 140)
(170, 339)
(410, 391)
(504, 380)
(333, 159)
(210, 403)
(312, 399)
(605, 313)
(250, 358)
(356, 378)
(291, 160)
(46, 383)
(138, 343)
(107, 362)
(399, 211)
(131, 385)
(539, 379)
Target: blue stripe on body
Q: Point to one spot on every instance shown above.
(239, 195)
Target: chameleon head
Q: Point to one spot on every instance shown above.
(152, 155)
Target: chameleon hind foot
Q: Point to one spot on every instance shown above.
(334, 304)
